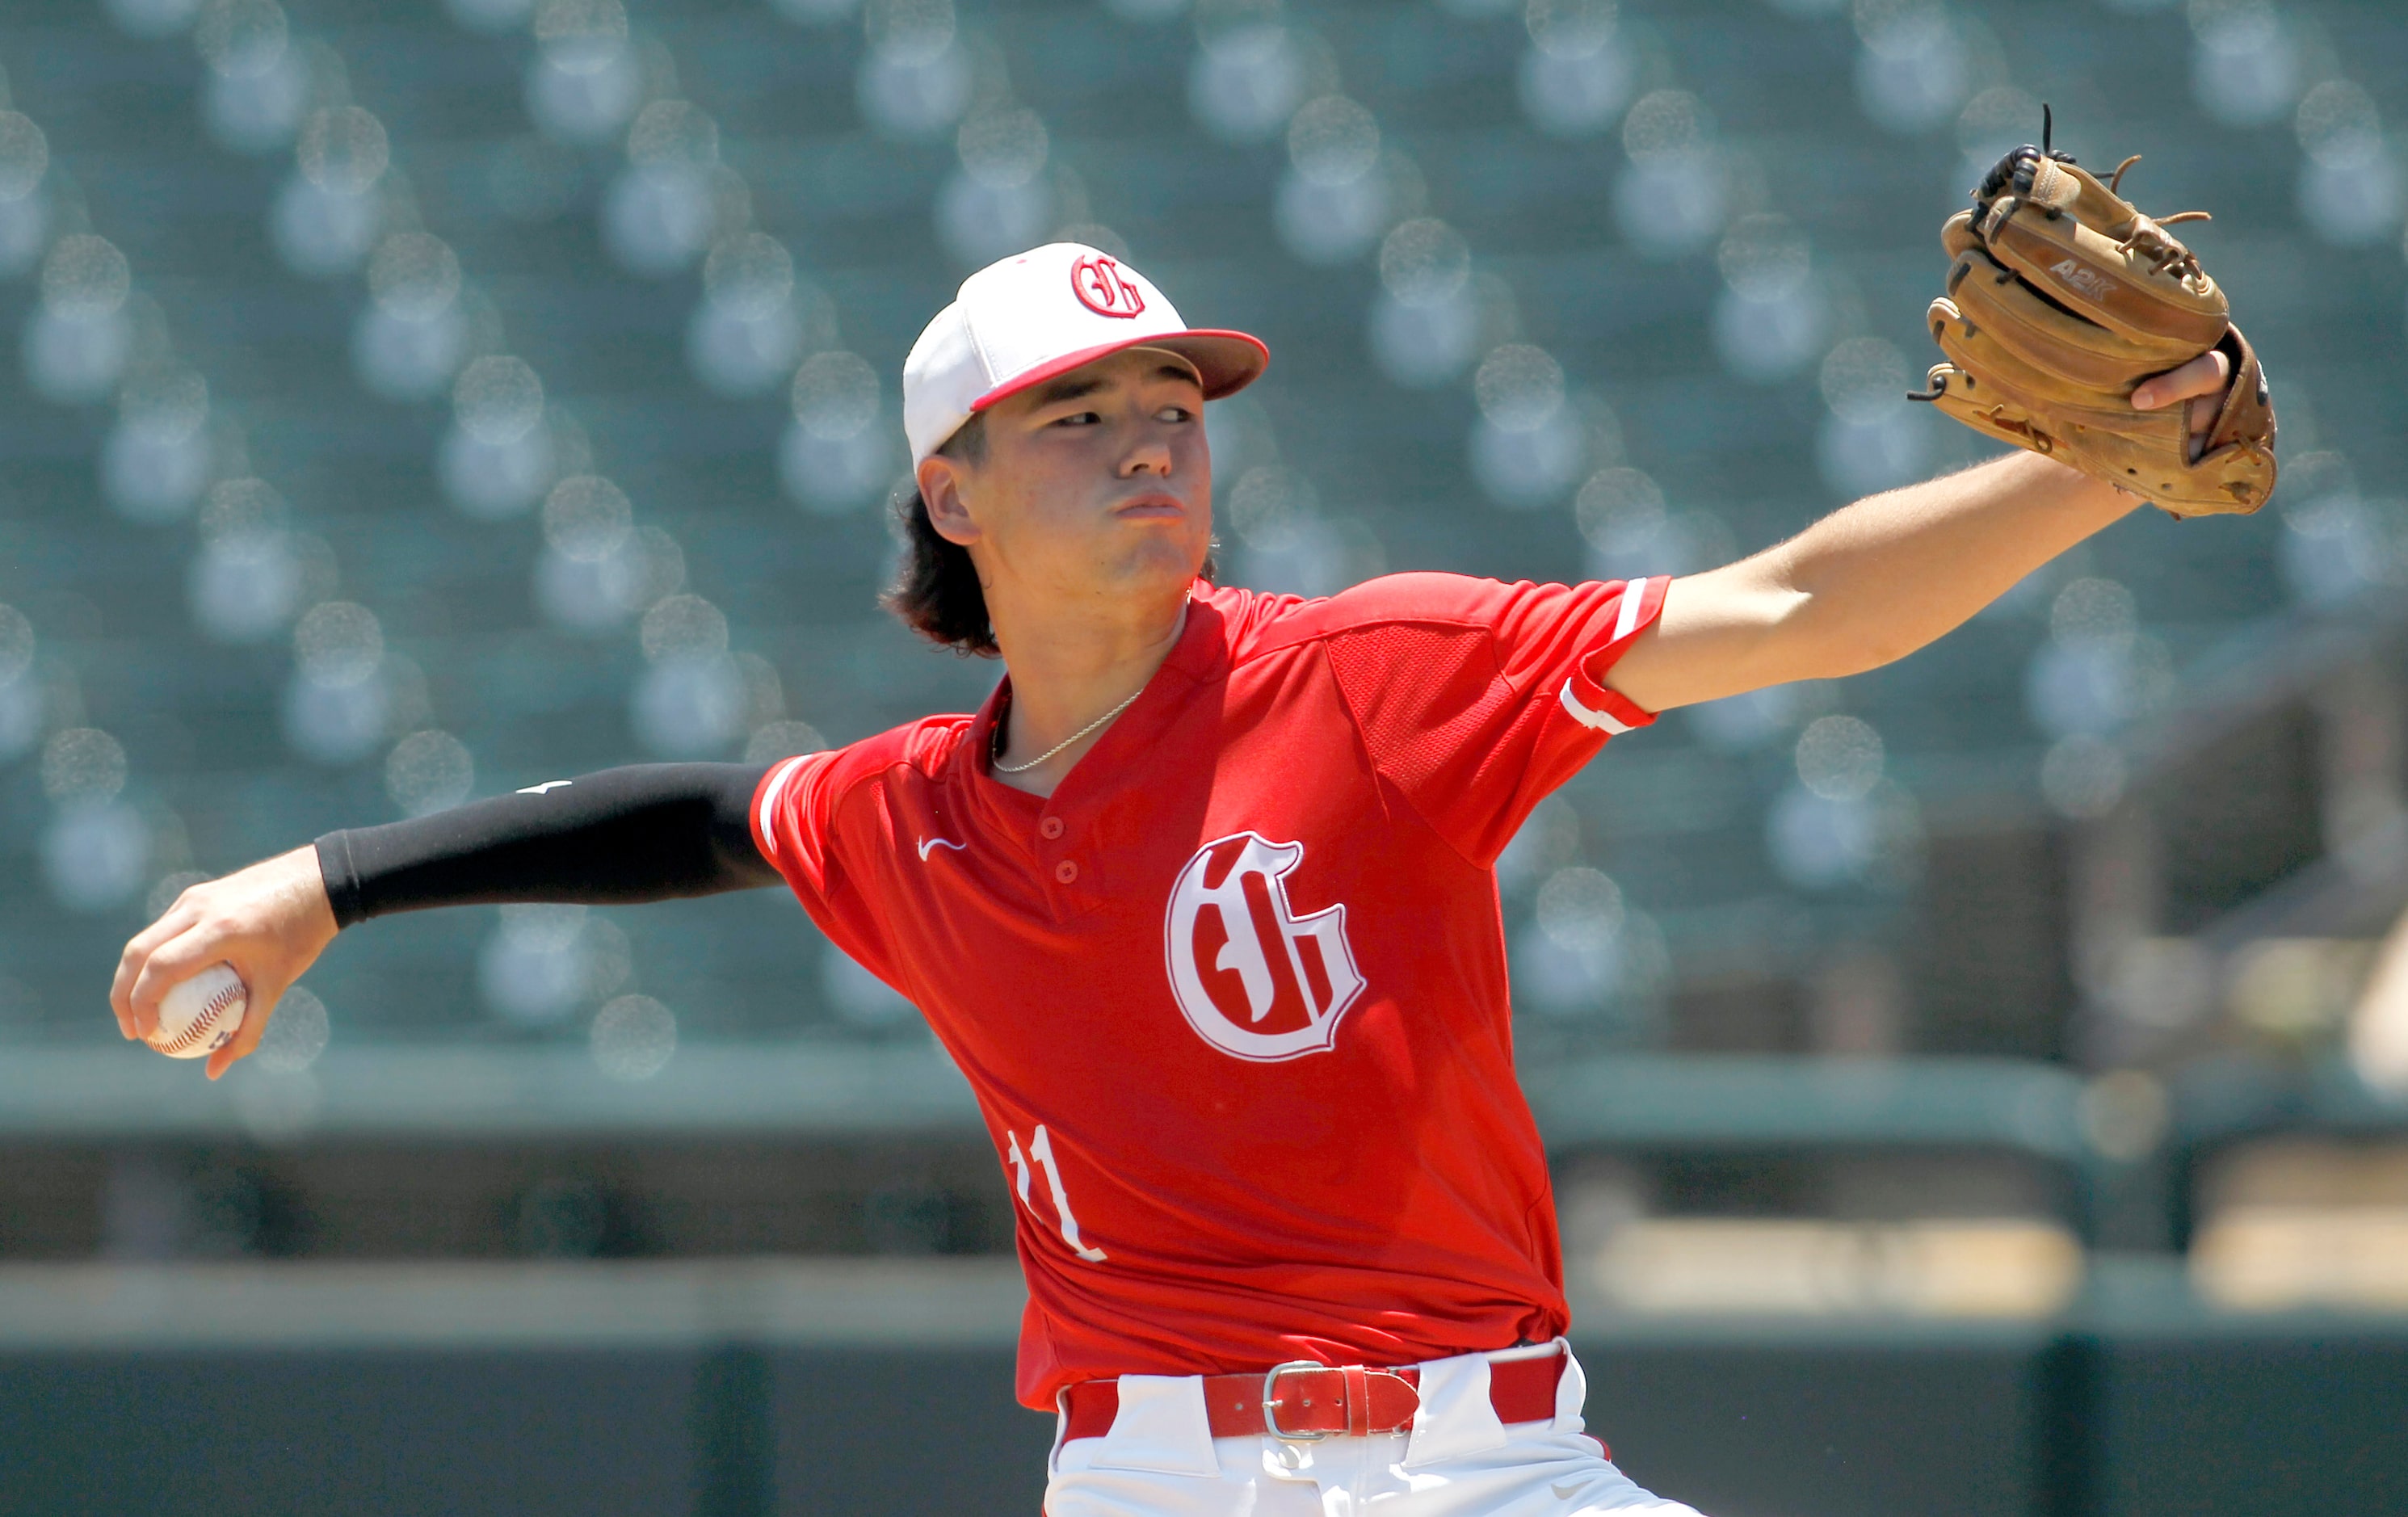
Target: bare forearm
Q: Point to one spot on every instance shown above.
(1892, 573)
(1868, 584)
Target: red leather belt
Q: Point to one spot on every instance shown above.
(1316, 1401)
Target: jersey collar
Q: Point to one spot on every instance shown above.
(1201, 655)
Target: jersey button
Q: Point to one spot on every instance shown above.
(1066, 872)
(1051, 826)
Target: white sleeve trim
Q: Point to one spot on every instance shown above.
(1625, 622)
(776, 787)
(1634, 599)
(1602, 721)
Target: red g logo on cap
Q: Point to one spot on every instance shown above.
(1102, 288)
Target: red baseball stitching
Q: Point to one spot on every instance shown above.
(206, 1023)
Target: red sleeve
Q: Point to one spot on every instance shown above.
(1475, 698)
(795, 824)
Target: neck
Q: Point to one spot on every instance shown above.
(1066, 672)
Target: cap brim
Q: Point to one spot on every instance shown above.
(1228, 362)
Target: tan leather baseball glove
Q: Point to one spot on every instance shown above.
(2061, 299)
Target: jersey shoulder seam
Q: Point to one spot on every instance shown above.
(923, 746)
(1387, 784)
(1296, 638)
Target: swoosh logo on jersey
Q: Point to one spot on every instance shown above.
(549, 784)
(1566, 1490)
(927, 843)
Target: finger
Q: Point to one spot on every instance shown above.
(2203, 408)
(260, 1007)
(120, 1003)
(169, 964)
(2202, 375)
(138, 949)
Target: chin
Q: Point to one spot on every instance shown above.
(1162, 568)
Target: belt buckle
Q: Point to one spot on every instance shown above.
(1270, 1384)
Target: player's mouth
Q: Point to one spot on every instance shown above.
(1150, 505)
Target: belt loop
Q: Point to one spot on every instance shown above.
(1456, 1416)
(1358, 1401)
(1161, 1426)
(1572, 1394)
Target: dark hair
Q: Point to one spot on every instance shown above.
(935, 589)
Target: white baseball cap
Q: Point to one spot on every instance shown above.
(1034, 315)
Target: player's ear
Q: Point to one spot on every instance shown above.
(941, 489)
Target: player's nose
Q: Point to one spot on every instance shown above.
(1149, 456)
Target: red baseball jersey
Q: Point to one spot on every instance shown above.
(1233, 999)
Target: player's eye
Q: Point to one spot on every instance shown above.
(1174, 413)
(1078, 418)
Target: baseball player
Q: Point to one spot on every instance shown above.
(1201, 900)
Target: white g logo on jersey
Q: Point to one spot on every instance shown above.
(1254, 979)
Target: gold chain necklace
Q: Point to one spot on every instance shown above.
(996, 761)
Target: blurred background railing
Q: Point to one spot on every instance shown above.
(1973, 1087)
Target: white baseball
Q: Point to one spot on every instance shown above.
(201, 1016)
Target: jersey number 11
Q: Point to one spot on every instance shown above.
(1040, 1147)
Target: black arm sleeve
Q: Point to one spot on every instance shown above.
(648, 832)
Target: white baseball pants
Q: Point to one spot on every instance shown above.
(1161, 1460)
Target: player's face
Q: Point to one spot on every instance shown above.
(1096, 486)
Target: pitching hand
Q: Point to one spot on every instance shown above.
(270, 922)
(2201, 382)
